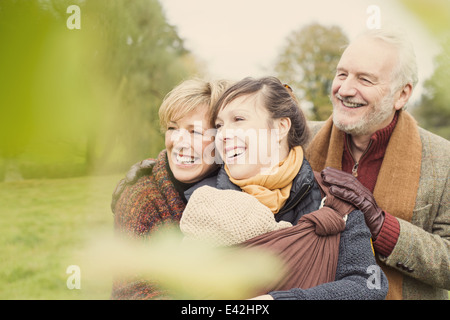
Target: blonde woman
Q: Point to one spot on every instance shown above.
(158, 196)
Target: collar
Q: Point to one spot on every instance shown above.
(379, 140)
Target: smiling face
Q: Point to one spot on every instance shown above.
(247, 139)
(361, 93)
(190, 146)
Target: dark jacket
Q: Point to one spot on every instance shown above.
(357, 274)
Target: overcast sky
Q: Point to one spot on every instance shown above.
(239, 38)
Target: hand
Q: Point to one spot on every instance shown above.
(136, 171)
(331, 201)
(346, 187)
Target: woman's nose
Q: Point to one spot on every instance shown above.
(181, 138)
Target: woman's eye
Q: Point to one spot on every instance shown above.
(197, 132)
(171, 128)
(218, 125)
(238, 119)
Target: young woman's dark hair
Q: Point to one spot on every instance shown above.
(279, 101)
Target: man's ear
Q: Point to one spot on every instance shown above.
(404, 95)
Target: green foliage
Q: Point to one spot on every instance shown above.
(308, 62)
(434, 14)
(85, 97)
(433, 113)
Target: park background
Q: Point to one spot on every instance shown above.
(80, 89)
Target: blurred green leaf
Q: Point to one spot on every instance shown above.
(188, 270)
(88, 95)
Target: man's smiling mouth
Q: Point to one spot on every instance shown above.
(352, 104)
(349, 104)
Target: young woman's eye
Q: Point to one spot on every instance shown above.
(239, 119)
(218, 126)
(171, 128)
(197, 132)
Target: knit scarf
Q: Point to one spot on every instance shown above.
(398, 179)
(273, 189)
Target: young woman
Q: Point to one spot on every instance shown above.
(258, 121)
(157, 197)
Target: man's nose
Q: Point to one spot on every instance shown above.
(347, 87)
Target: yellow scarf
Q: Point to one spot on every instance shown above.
(273, 189)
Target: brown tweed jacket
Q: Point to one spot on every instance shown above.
(419, 265)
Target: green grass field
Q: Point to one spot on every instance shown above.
(44, 227)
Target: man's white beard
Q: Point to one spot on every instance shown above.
(377, 115)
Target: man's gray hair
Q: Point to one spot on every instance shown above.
(406, 68)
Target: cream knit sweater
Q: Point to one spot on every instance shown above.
(226, 217)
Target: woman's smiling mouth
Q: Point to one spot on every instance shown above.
(231, 154)
(185, 159)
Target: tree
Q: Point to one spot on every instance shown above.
(85, 97)
(308, 62)
(433, 111)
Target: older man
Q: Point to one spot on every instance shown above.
(385, 156)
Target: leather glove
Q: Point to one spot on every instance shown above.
(136, 171)
(346, 187)
(331, 201)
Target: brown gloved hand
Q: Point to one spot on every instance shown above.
(331, 201)
(136, 171)
(346, 187)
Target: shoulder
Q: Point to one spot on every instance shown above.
(435, 155)
(305, 196)
(431, 141)
(210, 182)
(141, 183)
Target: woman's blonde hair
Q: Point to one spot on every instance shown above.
(188, 96)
